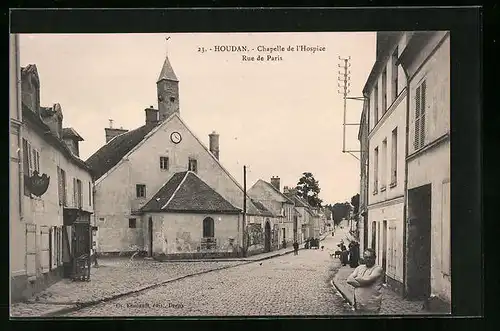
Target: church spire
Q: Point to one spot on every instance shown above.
(167, 88)
(167, 72)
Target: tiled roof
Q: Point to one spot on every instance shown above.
(110, 154)
(44, 131)
(186, 192)
(275, 190)
(299, 202)
(70, 132)
(167, 72)
(263, 210)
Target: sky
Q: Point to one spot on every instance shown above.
(279, 118)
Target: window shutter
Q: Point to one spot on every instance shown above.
(74, 192)
(26, 165)
(44, 248)
(60, 247)
(422, 113)
(416, 142)
(64, 193)
(30, 250)
(30, 160)
(53, 251)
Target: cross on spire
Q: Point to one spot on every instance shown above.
(167, 73)
(166, 45)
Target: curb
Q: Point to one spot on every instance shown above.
(82, 305)
(346, 298)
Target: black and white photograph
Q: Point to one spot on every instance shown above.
(230, 174)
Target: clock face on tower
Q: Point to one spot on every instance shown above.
(175, 137)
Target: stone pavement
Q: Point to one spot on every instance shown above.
(284, 285)
(392, 303)
(113, 277)
(116, 277)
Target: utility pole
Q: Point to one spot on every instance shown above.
(344, 89)
(244, 209)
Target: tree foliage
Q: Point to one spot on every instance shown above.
(308, 188)
(339, 211)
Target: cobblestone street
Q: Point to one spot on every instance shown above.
(113, 277)
(286, 285)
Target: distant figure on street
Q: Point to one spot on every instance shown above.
(367, 280)
(353, 254)
(295, 248)
(344, 254)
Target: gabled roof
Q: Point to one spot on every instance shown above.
(263, 210)
(71, 133)
(110, 154)
(298, 201)
(167, 72)
(287, 200)
(186, 192)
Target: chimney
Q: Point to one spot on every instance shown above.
(275, 181)
(53, 117)
(111, 132)
(214, 144)
(151, 115)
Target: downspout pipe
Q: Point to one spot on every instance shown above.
(405, 204)
(367, 223)
(20, 152)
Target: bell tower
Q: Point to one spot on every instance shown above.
(168, 91)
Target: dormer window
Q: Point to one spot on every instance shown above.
(193, 165)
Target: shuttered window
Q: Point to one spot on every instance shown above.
(59, 246)
(392, 253)
(44, 249)
(394, 156)
(419, 125)
(61, 181)
(31, 250)
(90, 193)
(26, 165)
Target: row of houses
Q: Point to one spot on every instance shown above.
(156, 190)
(51, 188)
(404, 134)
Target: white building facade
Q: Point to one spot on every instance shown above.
(427, 64)
(387, 95)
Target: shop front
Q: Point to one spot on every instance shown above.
(77, 239)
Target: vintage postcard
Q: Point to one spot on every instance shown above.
(230, 174)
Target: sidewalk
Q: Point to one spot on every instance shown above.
(116, 277)
(392, 303)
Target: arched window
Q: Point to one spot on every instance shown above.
(208, 228)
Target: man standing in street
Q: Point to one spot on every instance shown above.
(295, 248)
(367, 280)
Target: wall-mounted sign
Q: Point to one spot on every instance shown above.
(39, 184)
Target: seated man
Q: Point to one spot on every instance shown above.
(367, 280)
